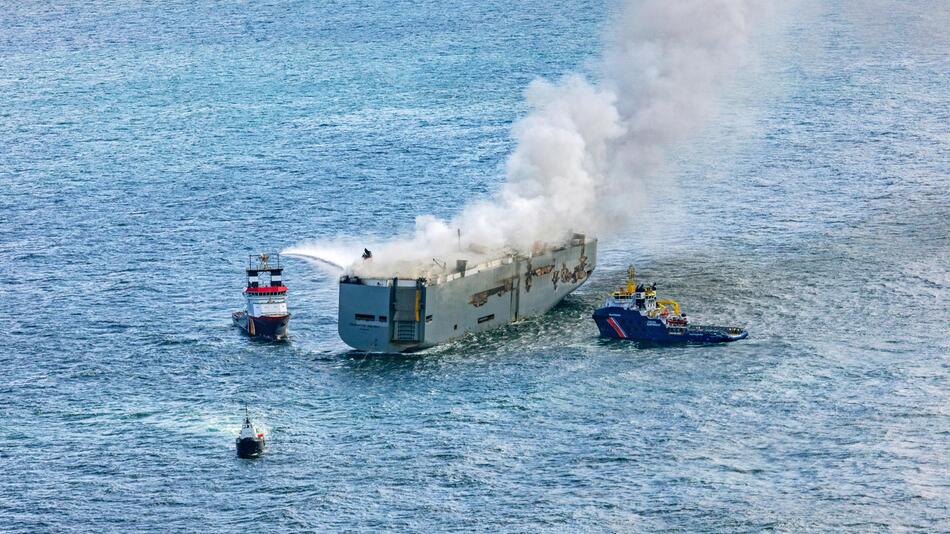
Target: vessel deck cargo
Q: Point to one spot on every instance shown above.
(396, 314)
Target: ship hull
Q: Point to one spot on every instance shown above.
(403, 315)
(272, 328)
(620, 323)
(250, 447)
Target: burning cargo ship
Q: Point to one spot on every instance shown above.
(407, 312)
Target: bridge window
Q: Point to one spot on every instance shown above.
(365, 317)
(486, 318)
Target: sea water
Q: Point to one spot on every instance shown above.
(147, 149)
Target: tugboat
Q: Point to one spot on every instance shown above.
(266, 313)
(250, 442)
(634, 312)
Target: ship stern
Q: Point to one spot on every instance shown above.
(382, 315)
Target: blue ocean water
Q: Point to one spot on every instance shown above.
(146, 149)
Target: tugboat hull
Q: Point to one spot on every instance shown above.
(621, 323)
(250, 447)
(273, 328)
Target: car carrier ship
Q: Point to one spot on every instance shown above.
(400, 314)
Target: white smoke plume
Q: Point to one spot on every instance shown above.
(586, 148)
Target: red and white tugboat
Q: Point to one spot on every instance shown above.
(266, 314)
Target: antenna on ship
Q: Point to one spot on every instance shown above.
(459, 232)
(631, 279)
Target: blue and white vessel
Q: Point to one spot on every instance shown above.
(635, 313)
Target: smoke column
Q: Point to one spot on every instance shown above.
(586, 148)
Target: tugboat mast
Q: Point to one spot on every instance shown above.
(631, 279)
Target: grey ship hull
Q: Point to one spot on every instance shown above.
(399, 315)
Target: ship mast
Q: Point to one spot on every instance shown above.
(631, 280)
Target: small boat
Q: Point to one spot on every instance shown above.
(250, 442)
(634, 312)
(265, 315)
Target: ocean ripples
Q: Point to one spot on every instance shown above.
(147, 151)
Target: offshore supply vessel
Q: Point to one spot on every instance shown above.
(635, 313)
(265, 315)
(396, 313)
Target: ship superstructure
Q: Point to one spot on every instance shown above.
(398, 314)
(266, 314)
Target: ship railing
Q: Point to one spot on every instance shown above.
(255, 262)
(713, 328)
(471, 271)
